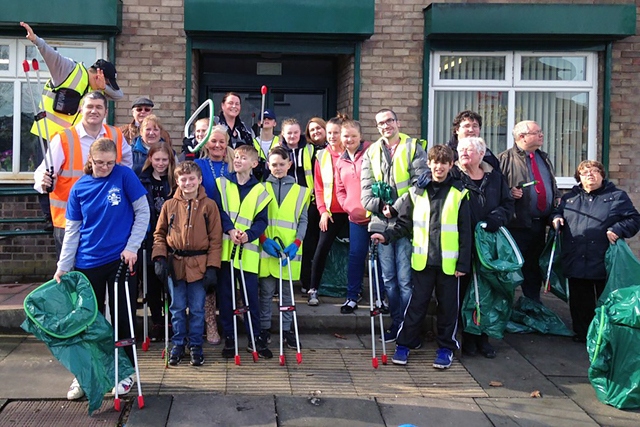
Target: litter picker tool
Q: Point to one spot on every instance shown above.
(547, 282)
(193, 118)
(165, 351)
(126, 341)
(476, 312)
(287, 308)
(263, 91)
(246, 309)
(145, 316)
(375, 310)
(39, 116)
(523, 184)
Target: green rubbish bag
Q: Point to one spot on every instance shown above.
(65, 317)
(558, 284)
(334, 277)
(530, 316)
(612, 343)
(623, 269)
(496, 271)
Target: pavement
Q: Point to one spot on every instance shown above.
(335, 385)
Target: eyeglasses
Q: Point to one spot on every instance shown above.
(387, 122)
(141, 109)
(467, 149)
(536, 133)
(101, 163)
(588, 172)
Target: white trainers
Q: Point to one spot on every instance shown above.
(124, 386)
(313, 298)
(75, 391)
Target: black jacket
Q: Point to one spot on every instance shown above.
(587, 217)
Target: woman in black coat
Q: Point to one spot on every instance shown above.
(594, 214)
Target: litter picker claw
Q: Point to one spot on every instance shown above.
(194, 117)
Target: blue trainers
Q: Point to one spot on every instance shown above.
(401, 355)
(444, 357)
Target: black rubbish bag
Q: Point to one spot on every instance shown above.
(558, 284)
(334, 277)
(65, 317)
(530, 316)
(612, 344)
(496, 274)
(623, 269)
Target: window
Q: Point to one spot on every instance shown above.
(557, 90)
(20, 151)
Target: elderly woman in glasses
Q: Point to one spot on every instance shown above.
(593, 215)
(491, 202)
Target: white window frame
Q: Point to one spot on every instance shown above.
(513, 84)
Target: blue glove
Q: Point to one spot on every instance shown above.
(271, 247)
(290, 251)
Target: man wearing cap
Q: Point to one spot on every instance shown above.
(69, 82)
(140, 109)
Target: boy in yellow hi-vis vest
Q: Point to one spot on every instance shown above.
(437, 214)
(287, 224)
(243, 210)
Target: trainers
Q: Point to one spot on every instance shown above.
(444, 357)
(176, 355)
(313, 298)
(197, 357)
(229, 350)
(349, 307)
(290, 339)
(75, 391)
(390, 336)
(263, 350)
(401, 355)
(124, 386)
(266, 335)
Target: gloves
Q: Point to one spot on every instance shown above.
(493, 224)
(290, 251)
(161, 269)
(210, 279)
(271, 247)
(424, 179)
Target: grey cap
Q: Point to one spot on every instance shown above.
(142, 101)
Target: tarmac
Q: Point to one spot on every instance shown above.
(535, 380)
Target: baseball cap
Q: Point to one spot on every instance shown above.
(109, 71)
(269, 114)
(142, 101)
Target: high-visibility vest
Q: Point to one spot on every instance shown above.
(256, 144)
(242, 215)
(73, 168)
(78, 80)
(404, 154)
(449, 236)
(283, 223)
(326, 173)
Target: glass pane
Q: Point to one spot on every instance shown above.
(6, 126)
(87, 55)
(564, 118)
(30, 151)
(548, 68)
(492, 106)
(455, 67)
(4, 57)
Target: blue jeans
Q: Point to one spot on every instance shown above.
(187, 295)
(358, 250)
(395, 263)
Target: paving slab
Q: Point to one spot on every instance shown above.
(9, 343)
(317, 411)
(431, 411)
(200, 410)
(535, 412)
(155, 412)
(581, 392)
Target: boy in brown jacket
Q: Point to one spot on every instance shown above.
(189, 234)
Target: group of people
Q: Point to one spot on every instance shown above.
(249, 205)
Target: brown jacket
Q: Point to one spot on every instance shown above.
(189, 225)
(130, 132)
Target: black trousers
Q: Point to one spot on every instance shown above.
(325, 240)
(447, 295)
(583, 295)
(531, 244)
(309, 244)
(103, 278)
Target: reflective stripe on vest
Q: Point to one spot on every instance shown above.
(449, 238)
(73, 168)
(283, 223)
(258, 147)
(242, 215)
(326, 173)
(400, 163)
(78, 80)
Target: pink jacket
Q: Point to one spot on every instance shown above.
(347, 184)
(318, 186)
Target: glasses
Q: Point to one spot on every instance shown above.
(588, 172)
(467, 149)
(536, 133)
(387, 122)
(101, 163)
(141, 109)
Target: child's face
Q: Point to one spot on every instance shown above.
(189, 184)
(439, 171)
(279, 166)
(292, 134)
(160, 162)
(201, 130)
(243, 162)
(350, 138)
(333, 136)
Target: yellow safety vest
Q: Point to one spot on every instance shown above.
(78, 80)
(400, 163)
(449, 238)
(258, 147)
(242, 215)
(326, 173)
(283, 223)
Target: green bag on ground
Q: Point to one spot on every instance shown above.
(558, 284)
(334, 277)
(623, 269)
(613, 341)
(65, 317)
(530, 316)
(496, 271)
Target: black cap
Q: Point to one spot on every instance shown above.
(142, 101)
(109, 71)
